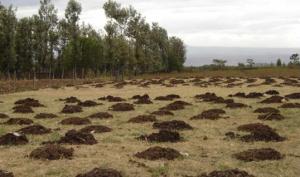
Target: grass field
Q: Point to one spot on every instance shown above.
(203, 149)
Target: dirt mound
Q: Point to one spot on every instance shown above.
(271, 116)
(45, 116)
(143, 119)
(172, 125)
(76, 138)
(227, 173)
(177, 105)
(70, 109)
(293, 96)
(18, 121)
(71, 99)
(236, 105)
(212, 114)
(35, 130)
(3, 116)
(6, 174)
(99, 85)
(100, 172)
(29, 102)
(272, 92)
(213, 98)
(101, 115)
(266, 110)
(290, 105)
(162, 136)
(156, 153)
(24, 109)
(13, 139)
(177, 81)
(122, 107)
(137, 97)
(75, 121)
(273, 99)
(258, 155)
(145, 99)
(250, 95)
(163, 113)
(269, 81)
(170, 97)
(88, 103)
(52, 152)
(259, 132)
(95, 129)
(112, 99)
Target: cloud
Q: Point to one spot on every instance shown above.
(247, 23)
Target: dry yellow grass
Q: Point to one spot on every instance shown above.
(117, 148)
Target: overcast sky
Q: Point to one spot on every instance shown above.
(225, 23)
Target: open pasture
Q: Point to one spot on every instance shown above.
(187, 127)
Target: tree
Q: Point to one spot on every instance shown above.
(219, 63)
(279, 63)
(295, 59)
(8, 23)
(250, 62)
(47, 28)
(72, 14)
(24, 46)
(177, 53)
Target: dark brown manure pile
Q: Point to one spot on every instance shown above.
(143, 119)
(172, 125)
(101, 172)
(258, 155)
(162, 136)
(52, 152)
(13, 139)
(157, 153)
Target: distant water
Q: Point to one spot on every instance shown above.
(198, 56)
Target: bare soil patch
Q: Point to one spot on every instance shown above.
(3, 116)
(4, 173)
(162, 136)
(227, 173)
(122, 107)
(273, 99)
(29, 102)
(110, 98)
(266, 110)
(100, 172)
(52, 152)
(258, 155)
(95, 129)
(172, 125)
(35, 130)
(24, 109)
(259, 132)
(143, 119)
(290, 105)
(271, 116)
(212, 114)
(156, 153)
(272, 92)
(293, 96)
(70, 109)
(45, 116)
(101, 115)
(13, 139)
(71, 99)
(75, 121)
(18, 121)
(88, 103)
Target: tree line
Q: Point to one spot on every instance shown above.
(51, 47)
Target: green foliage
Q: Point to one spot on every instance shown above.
(45, 44)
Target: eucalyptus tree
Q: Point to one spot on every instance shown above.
(177, 54)
(8, 23)
(72, 14)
